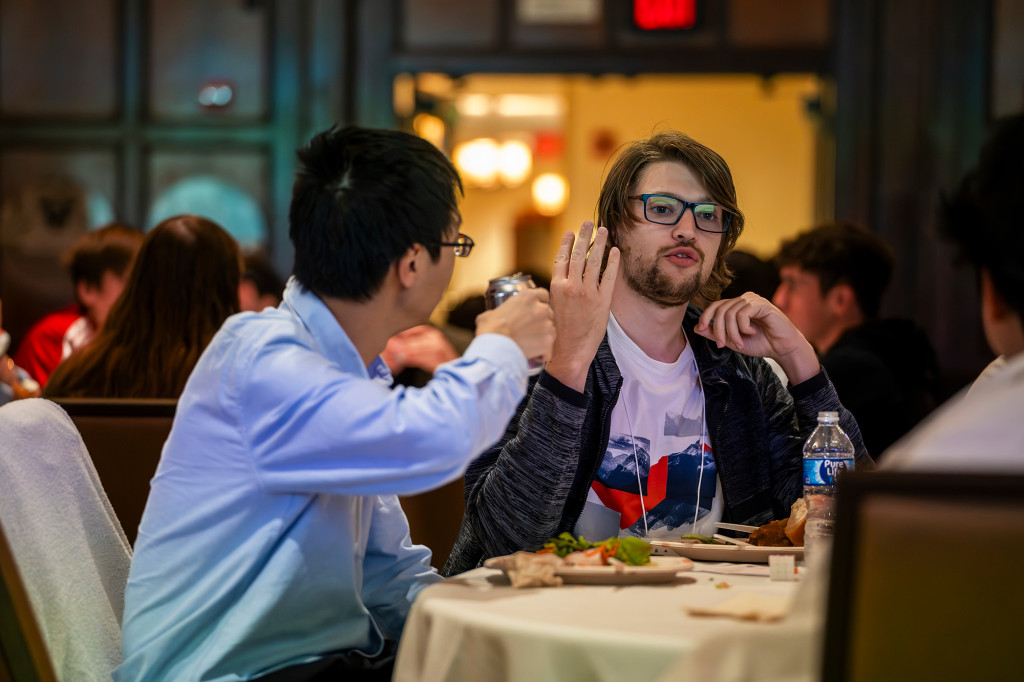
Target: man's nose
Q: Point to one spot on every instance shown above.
(779, 298)
(686, 229)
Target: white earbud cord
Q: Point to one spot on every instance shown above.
(636, 460)
(700, 453)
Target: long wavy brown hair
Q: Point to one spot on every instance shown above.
(613, 207)
(182, 287)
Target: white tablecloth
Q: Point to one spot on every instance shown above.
(475, 627)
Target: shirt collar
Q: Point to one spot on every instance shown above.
(329, 335)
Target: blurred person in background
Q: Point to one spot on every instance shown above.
(273, 545)
(98, 264)
(15, 383)
(983, 429)
(885, 370)
(413, 355)
(183, 286)
(750, 273)
(261, 287)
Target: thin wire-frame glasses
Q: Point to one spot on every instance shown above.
(463, 245)
(666, 210)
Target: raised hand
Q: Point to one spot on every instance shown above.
(751, 325)
(581, 298)
(526, 318)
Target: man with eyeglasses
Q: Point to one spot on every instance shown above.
(656, 415)
(273, 546)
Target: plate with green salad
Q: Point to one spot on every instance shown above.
(574, 559)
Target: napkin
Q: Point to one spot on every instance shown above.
(527, 569)
(748, 606)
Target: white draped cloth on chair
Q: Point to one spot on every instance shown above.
(70, 549)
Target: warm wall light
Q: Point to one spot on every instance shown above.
(430, 128)
(515, 162)
(477, 161)
(550, 193)
(473, 104)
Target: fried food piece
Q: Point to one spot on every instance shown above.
(796, 522)
(771, 535)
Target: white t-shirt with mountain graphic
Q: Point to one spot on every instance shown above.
(657, 434)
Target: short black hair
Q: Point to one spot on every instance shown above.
(258, 269)
(361, 198)
(843, 253)
(983, 216)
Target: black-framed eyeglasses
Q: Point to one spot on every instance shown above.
(463, 245)
(666, 210)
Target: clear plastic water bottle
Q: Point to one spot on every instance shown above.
(827, 453)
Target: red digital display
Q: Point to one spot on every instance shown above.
(660, 15)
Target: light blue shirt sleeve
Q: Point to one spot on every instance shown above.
(315, 429)
(395, 569)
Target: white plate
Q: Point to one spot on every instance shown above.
(744, 555)
(661, 569)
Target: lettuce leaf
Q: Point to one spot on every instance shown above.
(630, 550)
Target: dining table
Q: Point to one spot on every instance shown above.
(475, 626)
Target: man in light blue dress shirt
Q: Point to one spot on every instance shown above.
(273, 544)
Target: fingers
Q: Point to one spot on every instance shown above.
(611, 272)
(561, 266)
(728, 322)
(593, 272)
(578, 259)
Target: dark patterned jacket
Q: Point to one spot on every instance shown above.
(532, 485)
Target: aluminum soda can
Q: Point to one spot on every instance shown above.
(500, 289)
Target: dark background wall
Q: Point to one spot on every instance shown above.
(99, 103)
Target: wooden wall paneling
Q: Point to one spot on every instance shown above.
(450, 24)
(755, 23)
(227, 183)
(376, 22)
(1007, 58)
(77, 42)
(555, 36)
(49, 195)
(328, 64)
(130, 127)
(911, 89)
(611, 45)
(293, 104)
(194, 43)
(855, 69)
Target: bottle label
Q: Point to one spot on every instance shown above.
(824, 471)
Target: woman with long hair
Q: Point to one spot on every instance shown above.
(183, 285)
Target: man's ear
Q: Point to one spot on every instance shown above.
(992, 302)
(841, 300)
(408, 265)
(86, 293)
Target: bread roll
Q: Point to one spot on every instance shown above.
(796, 523)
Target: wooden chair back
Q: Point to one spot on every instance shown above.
(925, 577)
(125, 438)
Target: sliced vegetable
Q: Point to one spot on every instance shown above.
(629, 550)
(706, 539)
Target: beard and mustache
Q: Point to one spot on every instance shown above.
(644, 276)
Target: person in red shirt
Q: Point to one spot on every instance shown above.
(98, 263)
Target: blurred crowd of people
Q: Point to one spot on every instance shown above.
(146, 305)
